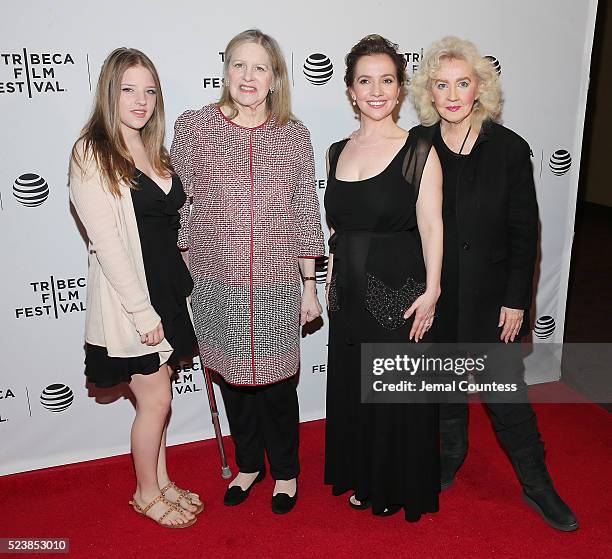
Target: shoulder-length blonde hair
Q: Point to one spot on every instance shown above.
(101, 138)
(278, 101)
(488, 104)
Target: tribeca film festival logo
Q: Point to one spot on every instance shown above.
(30, 190)
(5, 394)
(321, 368)
(214, 82)
(32, 73)
(57, 297)
(414, 60)
(183, 381)
(56, 397)
(560, 162)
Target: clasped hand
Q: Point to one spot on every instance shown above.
(153, 337)
(310, 307)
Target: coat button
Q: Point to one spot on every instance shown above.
(466, 246)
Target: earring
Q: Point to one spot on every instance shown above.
(271, 90)
(354, 101)
(397, 101)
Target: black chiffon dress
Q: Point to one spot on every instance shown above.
(168, 281)
(385, 453)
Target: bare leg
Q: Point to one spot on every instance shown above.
(162, 471)
(163, 479)
(153, 399)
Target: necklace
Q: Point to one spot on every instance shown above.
(354, 138)
(465, 139)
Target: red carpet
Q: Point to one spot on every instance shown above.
(482, 515)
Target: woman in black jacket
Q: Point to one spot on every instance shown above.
(490, 218)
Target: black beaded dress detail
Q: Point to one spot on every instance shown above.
(168, 281)
(385, 453)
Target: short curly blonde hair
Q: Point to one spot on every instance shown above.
(489, 98)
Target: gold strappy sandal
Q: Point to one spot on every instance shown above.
(171, 507)
(184, 494)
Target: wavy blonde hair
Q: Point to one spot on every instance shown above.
(489, 100)
(279, 101)
(101, 139)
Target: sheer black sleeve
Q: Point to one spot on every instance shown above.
(421, 140)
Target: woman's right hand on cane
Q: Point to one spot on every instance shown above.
(153, 337)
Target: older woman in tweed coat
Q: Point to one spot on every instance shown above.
(254, 226)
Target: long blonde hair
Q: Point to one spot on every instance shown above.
(101, 137)
(489, 101)
(278, 101)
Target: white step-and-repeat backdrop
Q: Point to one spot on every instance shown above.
(50, 57)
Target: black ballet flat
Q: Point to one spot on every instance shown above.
(365, 504)
(282, 503)
(236, 495)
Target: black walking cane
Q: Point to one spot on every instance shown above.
(214, 412)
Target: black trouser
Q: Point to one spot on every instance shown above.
(515, 424)
(264, 419)
(514, 420)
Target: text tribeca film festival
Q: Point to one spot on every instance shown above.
(32, 73)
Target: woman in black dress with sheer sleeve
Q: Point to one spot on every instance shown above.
(387, 454)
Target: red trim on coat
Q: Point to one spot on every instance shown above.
(251, 256)
(245, 127)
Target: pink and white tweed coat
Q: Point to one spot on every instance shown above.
(255, 212)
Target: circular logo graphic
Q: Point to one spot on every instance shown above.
(544, 327)
(56, 397)
(321, 269)
(318, 69)
(495, 63)
(560, 162)
(30, 189)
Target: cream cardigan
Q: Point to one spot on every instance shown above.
(118, 304)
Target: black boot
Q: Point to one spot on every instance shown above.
(454, 442)
(538, 489)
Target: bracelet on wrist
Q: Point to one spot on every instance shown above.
(309, 278)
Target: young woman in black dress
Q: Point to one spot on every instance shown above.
(383, 203)
(127, 196)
